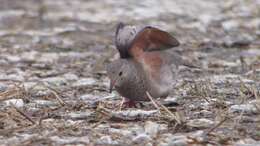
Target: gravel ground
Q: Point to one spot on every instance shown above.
(54, 89)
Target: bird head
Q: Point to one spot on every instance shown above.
(119, 73)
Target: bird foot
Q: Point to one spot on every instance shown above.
(127, 103)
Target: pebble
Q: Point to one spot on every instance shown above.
(48, 57)
(230, 25)
(78, 115)
(106, 140)
(200, 123)
(142, 138)
(122, 132)
(3, 87)
(44, 103)
(237, 42)
(29, 56)
(12, 58)
(172, 101)
(173, 140)
(56, 81)
(70, 140)
(251, 53)
(93, 100)
(247, 142)
(151, 128)
(84, 82)
(14, 102)
(29, 85)
(245, 108)
(70, 77)
(135, 114)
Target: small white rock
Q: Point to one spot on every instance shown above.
(151, 128)
(29, 56)
(58, 81)
(142, 138)
(106, 140)
(79, 115)
(247, 142)
(16, 102)
(135, 113)
(246, 108)
(173, 140)
(29, 85)
(84, 82)
(120, 131)
(200, 123)
(48, 57)
(230, 25)
(70, 77)
(3, 87)
(13, 59)
(90, 98)
(69, 140)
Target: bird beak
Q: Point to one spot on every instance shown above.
(112, 84)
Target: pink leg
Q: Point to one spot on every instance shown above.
(127, 103)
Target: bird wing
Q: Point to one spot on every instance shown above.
(131, 40)
(151, 39)
(146, 48)
(124, 36)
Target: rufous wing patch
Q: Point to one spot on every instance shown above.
(152, 63)
(153, 39)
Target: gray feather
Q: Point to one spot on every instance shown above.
(125, 34)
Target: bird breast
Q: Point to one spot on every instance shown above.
(136, 85)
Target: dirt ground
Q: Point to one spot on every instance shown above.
(54, 89)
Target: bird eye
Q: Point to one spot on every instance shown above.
(120, 73)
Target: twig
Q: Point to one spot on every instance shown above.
(24, 115)
(99, 122)
(10, 80)
(105, 115)
(56, 94)
(177, 118)
(10, 93)
(15, 130)
(58, 98)
(121, 103)
(154, 103)
(216, 126)
(205, 98)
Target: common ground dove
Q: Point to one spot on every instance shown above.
(142, 67)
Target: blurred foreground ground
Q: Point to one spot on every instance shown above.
(53, 87)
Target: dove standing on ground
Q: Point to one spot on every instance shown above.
(142, 67)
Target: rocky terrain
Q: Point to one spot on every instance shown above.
(54, 89)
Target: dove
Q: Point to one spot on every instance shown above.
(142, 66)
